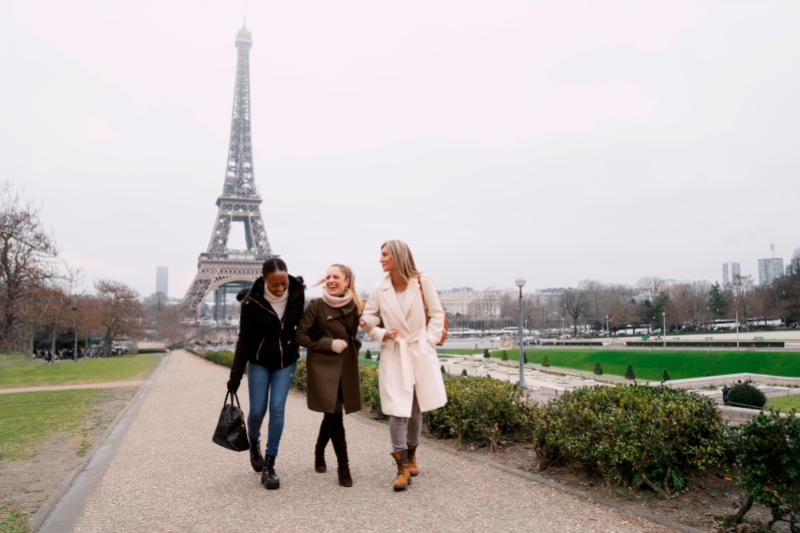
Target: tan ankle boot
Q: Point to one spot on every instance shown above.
(403, 477)
(413, 469)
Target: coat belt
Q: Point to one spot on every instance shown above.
(405, 359)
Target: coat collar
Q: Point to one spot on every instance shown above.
(413, 298)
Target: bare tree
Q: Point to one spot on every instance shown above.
(26, 255)
(574, 302)
(650, 288)
(742, 296)
(121, 313)
(64, 304)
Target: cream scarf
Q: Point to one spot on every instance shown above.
(337, 302)
(278, 303)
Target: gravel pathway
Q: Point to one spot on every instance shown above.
(168, 476)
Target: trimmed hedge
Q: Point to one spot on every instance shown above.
(708, 344)
(746, 394)
(224, 357)
(572, 343)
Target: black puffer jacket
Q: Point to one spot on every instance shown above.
(263, 338)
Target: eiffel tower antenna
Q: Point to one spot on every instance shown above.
(221, 269)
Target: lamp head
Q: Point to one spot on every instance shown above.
(520, 282)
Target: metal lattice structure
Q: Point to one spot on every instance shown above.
(239, 202)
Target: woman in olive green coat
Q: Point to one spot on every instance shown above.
(328, 330)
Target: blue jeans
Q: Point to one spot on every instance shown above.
(265, 386)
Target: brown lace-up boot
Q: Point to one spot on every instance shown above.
(403, 478)
(413, 469)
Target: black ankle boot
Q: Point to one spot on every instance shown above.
(256, 459)
(268, 477)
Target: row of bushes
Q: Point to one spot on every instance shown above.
(707, 344)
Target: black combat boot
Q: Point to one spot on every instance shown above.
(256, 459)
(268, 477)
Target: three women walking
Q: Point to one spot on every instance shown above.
(403, 314)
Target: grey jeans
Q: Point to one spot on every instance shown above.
(405, 431)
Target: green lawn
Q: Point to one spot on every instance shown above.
(16, 370)
(680, 364)
(784, 403)
(29, 418)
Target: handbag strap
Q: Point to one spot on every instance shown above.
(347, 329)
(422, 291)
(233, 396)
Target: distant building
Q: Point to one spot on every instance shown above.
(769, 270)
(729, 270)
(545, 296)
(472, 304)
(793, 266)
(162, 280)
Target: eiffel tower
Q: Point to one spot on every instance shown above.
(221, 269)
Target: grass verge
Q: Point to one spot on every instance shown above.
(785, 403)
(12, 518)
(16, 370)
(650, 365)
(28, 418)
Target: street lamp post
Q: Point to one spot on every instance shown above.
(521, 283)
(562, 331)
(608, 331)
(664, 326)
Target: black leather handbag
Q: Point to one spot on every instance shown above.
(231, 432)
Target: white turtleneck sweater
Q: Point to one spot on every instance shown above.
(278, 303)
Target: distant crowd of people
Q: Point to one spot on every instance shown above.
(69, 353)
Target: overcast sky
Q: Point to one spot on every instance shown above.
(558, 141)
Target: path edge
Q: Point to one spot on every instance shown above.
(62, 510)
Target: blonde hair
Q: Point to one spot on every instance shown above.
(402, 259)
(348, 274)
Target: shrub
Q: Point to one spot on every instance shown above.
(224, 357)
(651, 435)
(629, 372)
(598, 370)
(665, 375)
(486, 354)
(480, 409)
(764, 455)
(370, 392)
(545, 361)
(464, 373)
(300, 376)
(442, 369)
(746, 394)
(368, 356)
(504, 357)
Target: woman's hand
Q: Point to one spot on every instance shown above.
(391, 334)
(338, 345)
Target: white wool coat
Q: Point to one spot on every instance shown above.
(409, 363)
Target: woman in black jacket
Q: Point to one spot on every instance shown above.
(271, 311)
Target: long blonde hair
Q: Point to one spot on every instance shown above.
(402, 259)
(348, 274)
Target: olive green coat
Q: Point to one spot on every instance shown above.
(326, 369)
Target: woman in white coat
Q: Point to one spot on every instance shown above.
(409, 376)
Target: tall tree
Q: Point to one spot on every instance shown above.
(716, 301)
(27, 251)
(121, 313)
